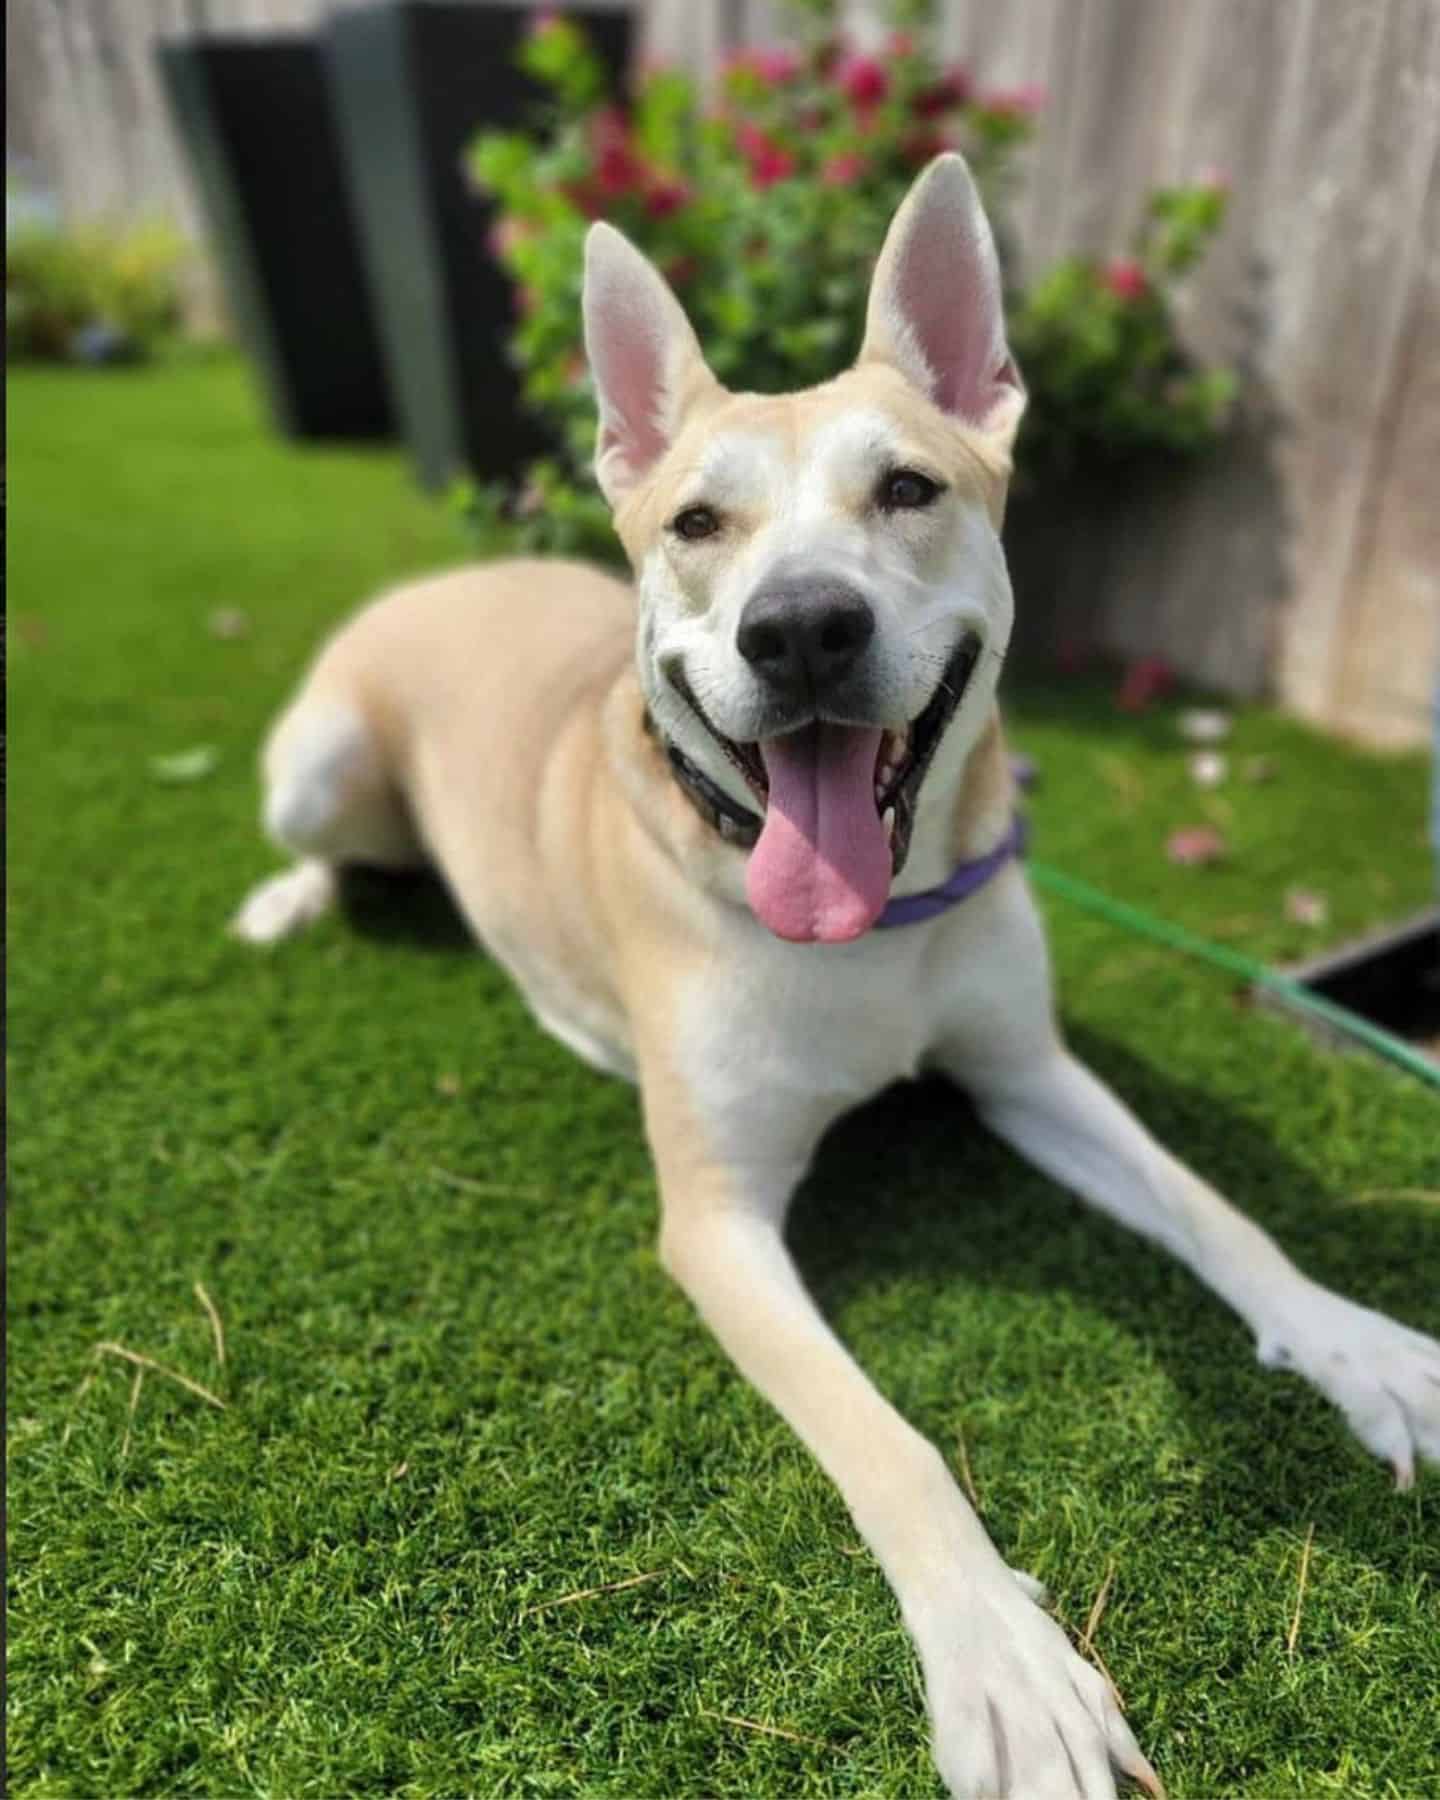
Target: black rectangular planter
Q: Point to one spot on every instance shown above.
(255, 117)
(1392, 979)
(412, 82)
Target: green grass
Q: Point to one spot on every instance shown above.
(449, 1404)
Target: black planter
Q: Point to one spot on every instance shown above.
(412, 81)
(255, 117)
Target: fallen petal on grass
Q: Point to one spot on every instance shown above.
(186, 765)
(1208, 768)
(1304, 907)
(1196, 845)
(1203, 725)
(228, 622)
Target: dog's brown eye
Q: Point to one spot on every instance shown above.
(906, 489)
(694, 523)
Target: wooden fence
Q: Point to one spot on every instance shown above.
(1304, 559)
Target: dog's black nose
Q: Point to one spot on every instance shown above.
(801, 636)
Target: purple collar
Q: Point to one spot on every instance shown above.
(968, 879)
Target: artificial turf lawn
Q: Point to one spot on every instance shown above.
(459, 1387)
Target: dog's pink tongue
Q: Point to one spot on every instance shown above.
(821, 869)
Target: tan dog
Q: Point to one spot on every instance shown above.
(680, 827)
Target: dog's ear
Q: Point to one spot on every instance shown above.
(935, 310)
(644, 357)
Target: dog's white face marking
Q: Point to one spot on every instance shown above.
(824, 605)
(806, 503)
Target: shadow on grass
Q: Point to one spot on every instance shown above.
(411, 906)
(912, 1183)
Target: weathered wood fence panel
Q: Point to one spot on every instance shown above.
(1306, 557)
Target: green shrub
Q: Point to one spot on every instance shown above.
(766, 212)
(91, 291)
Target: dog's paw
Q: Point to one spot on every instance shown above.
(285, 903)
(1015, 1710)
(1384, 1377)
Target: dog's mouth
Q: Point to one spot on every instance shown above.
(838, 805)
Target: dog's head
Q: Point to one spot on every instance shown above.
(824, 604)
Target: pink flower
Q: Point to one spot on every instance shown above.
(777, 65)
(862, 80)
(900, 43)
(545, 18)
(1195, 845)
(843, 170)
(952, 89)
(1214, 179)
(664, 197)
(772, 67)
(1021, 102)
(1125, 278)
(506, 234)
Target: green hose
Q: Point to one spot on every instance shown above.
(1296, 995)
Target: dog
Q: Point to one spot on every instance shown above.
(745, 834)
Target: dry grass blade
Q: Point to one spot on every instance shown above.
(158, 1368)
(590, 1593)
(135, 1387)
(213, 1316)
(1293, 1636)
(780, 1731)
(217, 1330)
(1097, 1612)
(1425, 1196)
(966, 1477)
(490, 1190)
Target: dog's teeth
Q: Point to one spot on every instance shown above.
(887, 819)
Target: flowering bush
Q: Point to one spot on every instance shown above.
(766, 211)
(92, 292)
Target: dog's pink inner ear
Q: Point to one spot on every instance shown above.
(643, 355)
(946, 300)
(628, 356)
(936, 308)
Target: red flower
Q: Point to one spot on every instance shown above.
(1146, 679)
(843, 170)
(665, 197)
(769, 162)
(618, 170)
(952, 89)
(1125, 278)
(771, 166)
(862, 80)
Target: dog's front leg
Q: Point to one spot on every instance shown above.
(1014, 1709)
(1383, 1376)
